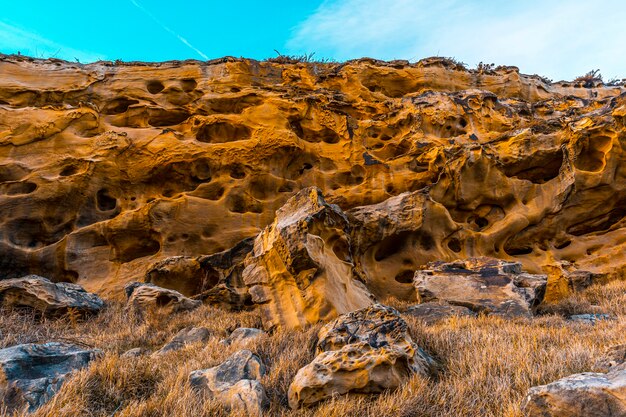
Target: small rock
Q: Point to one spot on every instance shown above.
(486, 285)
(134, 353)
(581, 395)
(589, 318)
(366, 351)
(433, 312)
(186, 336)
(51, 298)
(146, 296)
(234, 382)
(30, 374)
(243, 334)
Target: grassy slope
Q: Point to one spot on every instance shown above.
(488, 363)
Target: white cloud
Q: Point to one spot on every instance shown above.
(14, 39)
(558, 39)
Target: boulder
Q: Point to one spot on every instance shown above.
(187, 336)
(243, 334)
(301, 270)
(145, 296)
(589, 318)
(366, 351)
(434, 312)
(30, 374)
(134, 353)
(234, 382)
(50, 298)
(581, 395)
(484, 285)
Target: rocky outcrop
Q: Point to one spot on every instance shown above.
(483, 285)
(581, 395)
(235, 383)
(301, 270)
(109, 168)
(187, 336)
(31, 374)
(49, 298)
(146, 296)
(434, 312)
(366, 351)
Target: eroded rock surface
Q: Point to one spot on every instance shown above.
(433, 312)
(31, 374)
(145, 297)
(581, 395)
(484, 285)
(49, 298)
(187, 336)
(366, 351)
(107, 169)
(235, 382)
(301, 270)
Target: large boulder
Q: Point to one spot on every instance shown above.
(581, 395)
(484, 285)
(146, 296)
(366, 351)
(301, 270)
(433, 312)
(215, 279)
(234, 382)
(30, 374)
(48, 297)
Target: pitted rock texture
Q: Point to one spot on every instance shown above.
(366, 351)
(31, 374)
(484, 285)
(49, 298)
(106, 169)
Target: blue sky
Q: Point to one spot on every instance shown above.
(559, 39)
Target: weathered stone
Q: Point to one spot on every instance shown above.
(234, 382)
(48, 297)
(580, 395)
(484, 285)
(366, 351)
(144, 296)
(215, 279)
(589, 318)
(31, 374)
(243, 335)
(301, 270)
(434, 312)
(187, 336)
(134, 353)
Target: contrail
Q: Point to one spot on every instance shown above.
(158, 22)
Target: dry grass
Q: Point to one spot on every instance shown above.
(488, 363)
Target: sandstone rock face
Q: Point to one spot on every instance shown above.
(31, 374)
(235, 382)
(145, 296)
(483, 285)
(301, 270)
(581, 395)
(108, 169)
(47, 297)
(366, 351)
(186, 336)
(434, 312)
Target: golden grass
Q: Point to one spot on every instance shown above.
(488, 363)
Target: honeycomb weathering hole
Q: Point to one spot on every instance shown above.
(104, 200)
(154, 86)
(221, 132)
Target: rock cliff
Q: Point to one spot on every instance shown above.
(109, 169)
